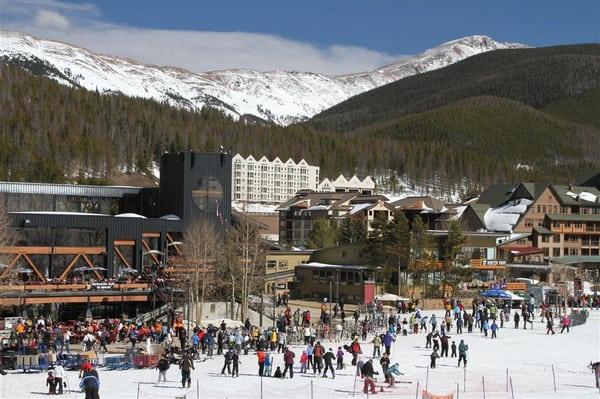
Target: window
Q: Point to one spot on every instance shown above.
(556, 252)
(271, 263)
(545, 238)
(283, 264)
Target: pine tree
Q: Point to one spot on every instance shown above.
(322, 235)
(351, 231)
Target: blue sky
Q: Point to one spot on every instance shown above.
(331, 36)
(396, 27)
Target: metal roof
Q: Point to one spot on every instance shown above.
(573, 217)
(67, 189)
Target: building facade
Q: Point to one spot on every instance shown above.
(270, 182)
(343, 185)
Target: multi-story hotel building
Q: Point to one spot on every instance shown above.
(270, 182)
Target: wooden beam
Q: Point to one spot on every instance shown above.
(150, 235)
(79, 250)
(154, 258)
(122, 257)
(53, 250)
(171, 241)
(90, 264)
(124, 243)
(74, 299)
(10, 266)
(67, 270)
(34, 267)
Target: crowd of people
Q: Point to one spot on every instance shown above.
(330, 343)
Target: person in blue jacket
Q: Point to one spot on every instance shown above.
(494, 328)
(387, 342)
(90, 382)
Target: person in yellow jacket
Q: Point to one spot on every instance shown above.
(273, 340)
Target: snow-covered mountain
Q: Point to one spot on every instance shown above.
(279, 96)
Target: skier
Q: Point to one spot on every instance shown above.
(163, 366)
(387, 342)
(303, 362)
(428, 340)
(434, 355)
(550, 326)
(566, 322)
(516, 319)
(288, 360)
(317, 358)
(368, 375)
(226, 362)
(51, 383)
(268, 365)
(340, 358)
(90, 382)
(444, 340)
(260, 354)
(185, 365)
(453, 347)
(376, 346)
(328, 359)
(235, 360)
(494, 328)
(462, 352)
(59, 375)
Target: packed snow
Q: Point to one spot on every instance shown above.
(584, 195)
(282, 97)
(528, 355)
(504, 218)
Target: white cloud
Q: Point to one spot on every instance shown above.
(51, 20)
(81, 25)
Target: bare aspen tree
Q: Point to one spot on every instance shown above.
(245, 261)
(202, 245)
(7, 239)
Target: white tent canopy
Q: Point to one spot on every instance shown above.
(387, 297)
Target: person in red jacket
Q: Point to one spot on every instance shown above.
(288, 360)
(261, 355)
(566, 322)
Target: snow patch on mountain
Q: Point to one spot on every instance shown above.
(282, 97)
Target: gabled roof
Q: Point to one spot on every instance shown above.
(590, 180)
(419, 204)
(480, 210)
(576, 195)
(496, 194)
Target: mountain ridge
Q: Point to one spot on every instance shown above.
(278, 96)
